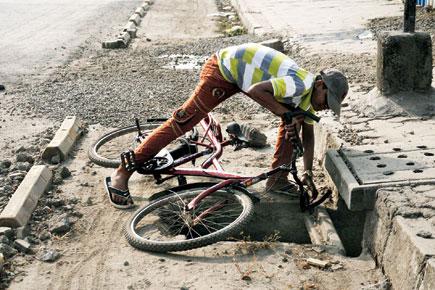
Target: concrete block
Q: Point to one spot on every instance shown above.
(135, 18)
(139, 11)
(145, 7)
(428, 282)
(404, 62)
(130, 27)
(22, 203)
(110, 44)
(63, 140)
(124, 39)
(405, 254)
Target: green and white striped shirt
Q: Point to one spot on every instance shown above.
(251, 63)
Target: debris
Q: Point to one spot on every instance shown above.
(62, 227)
(24, 157)
(317, 263)
(49, 255)
(5, 240)
(2, 88)
(6, 231)
(22, 246)
(365, 35)
(336, 267)
(2, 261)
(5, 164)
(7, 250)
(424, 234)
(126, 263)
(45, 235)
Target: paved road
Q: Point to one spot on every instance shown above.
(39, 34)
(323, 24)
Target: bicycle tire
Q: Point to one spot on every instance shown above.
(96, 158)
(187, 192)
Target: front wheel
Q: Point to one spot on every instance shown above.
(166, 226)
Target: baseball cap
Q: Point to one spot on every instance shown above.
(337, 86)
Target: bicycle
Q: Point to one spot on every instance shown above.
(194, 215)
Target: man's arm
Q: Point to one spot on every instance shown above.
(262, 93)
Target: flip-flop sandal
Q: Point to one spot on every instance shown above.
(128, 203)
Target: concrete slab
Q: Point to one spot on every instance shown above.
(22, 203)
(63, 140)
(360, 170)
(406, 254)
(428, 282)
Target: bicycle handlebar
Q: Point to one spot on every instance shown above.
(288, 116)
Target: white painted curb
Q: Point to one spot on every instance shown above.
(135, 18)
(63, 140)
(124, 39)
(23, 202)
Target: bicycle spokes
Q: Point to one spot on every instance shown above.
(174, 222)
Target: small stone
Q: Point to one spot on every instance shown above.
(285, 260)
(5, 164)
(24, 166)
(336, 267)
(6, 231)
(7, 250)
(20, 149)
(2, 88)
(24, 157)
(55, 202)
(49, 255)
(126, 263)
(64, 172)
(45, 235)
(89, 201)
(5, 240)
(424, 234)
(22, 246)
(317, 263)
(32, 240)
(61, 227)
(161, 260)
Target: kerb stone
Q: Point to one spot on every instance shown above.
(22, 203)
(63, 140)
(406, 254)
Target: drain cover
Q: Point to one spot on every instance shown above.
(359, 171)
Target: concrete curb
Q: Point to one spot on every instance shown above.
(63, 140)
(247, 19)
(322, 231)
(22, 203)
(130, 29)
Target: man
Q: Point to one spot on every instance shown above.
(267, 76)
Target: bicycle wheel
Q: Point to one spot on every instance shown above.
(106, 150)
(165, 225)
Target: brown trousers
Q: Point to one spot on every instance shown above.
(211, 90)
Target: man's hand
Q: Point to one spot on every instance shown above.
(307, 178)
(293, 128)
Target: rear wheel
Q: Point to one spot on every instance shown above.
(165, 225)
(107, 149)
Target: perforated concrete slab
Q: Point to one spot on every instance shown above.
(359, 171)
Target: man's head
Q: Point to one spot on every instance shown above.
(330, 89)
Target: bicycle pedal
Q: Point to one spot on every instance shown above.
(128, 160)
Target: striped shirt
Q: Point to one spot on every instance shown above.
(251, 63)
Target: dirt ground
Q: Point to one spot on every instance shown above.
(106, 88)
